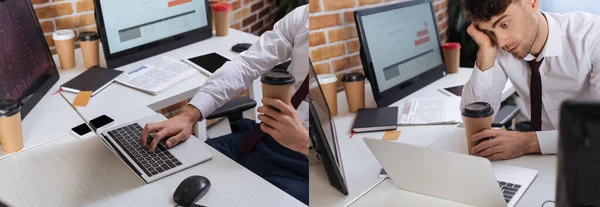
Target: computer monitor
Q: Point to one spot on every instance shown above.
(578, 183)
(323, 135)
(400, 49)
(27, 69)
(131, 30)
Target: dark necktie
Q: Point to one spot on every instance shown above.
(535, 89)
(258, 134)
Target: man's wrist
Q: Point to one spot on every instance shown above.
(486, 58)
(190, 113)
(532, 145)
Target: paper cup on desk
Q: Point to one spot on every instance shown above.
(278, 84)
(222, 13)
(65, 46)
(11, 134)
(90, 48)
(328, 85)
(354, 87)
(212, 13)
(452, 56)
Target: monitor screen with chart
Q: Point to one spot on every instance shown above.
(157, 26)
(401, 48)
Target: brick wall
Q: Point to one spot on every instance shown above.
(252, 16)
(333, 40)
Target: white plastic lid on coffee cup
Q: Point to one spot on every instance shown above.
(327, 78)
(65, 34)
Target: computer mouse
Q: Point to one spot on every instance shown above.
(191, 190)
(241, 47)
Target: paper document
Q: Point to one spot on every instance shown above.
(430, 111)
(158, 75)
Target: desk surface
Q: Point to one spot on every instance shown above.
(360, 166)
(68, 171)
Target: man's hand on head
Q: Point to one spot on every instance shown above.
(499, 144)
(283, 125)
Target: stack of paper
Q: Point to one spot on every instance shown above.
(430, 112)
(157, 75)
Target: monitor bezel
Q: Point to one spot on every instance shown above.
(44, 83)
(335, 172)
(151, 49)
(399, 91)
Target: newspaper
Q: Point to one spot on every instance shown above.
(157, 75)
(430, 112)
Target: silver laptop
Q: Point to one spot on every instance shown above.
(457, 177)
(124, 141)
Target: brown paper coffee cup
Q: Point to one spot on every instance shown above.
(452, 56)
(64, 40)
(278, 84)
(354, 87)
(90, 48)
(11, 134)
(329, 88)
(222, 13)
(212, 13)
(477, 117)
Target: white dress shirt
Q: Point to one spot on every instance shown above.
(570, 70)
(288, 39)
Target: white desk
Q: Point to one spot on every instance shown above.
(360, 166)
(75, 172)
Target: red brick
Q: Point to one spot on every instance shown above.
(323, 21)
(84, 5)
(264, 12)
(322, 68)
(257, 6)
(330, 5)
(39, 1)
(49, 40)
(314, 6)
(349, 17)
(241, 14)
(75, 21)
(236, 5)
(345, 33)
(327, 52)
(256, 27)
(346, 63)
(367, 2)
(353, 46)
(47, 26)
(55, 10)
(249, 20)
(316, 38)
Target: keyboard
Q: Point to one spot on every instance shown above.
(128, 138)
(508, 190)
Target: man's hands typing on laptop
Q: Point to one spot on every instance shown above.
(176, 129)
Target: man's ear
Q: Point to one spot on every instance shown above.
(533, 4)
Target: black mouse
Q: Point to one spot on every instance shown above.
(191, 190)
(241, 47)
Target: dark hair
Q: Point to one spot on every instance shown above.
(484, 10)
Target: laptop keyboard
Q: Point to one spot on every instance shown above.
(508, 190)
(128, 138)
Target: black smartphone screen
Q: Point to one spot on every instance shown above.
(100, 121)
(210, 62)
(82, 129)
(456, 90)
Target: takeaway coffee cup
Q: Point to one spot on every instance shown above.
(222, 13)
(89, 48)
(11, 134)
(278, 84)
(477, 117)
(65, 46)
(212, 13)
(452, 56)
(354, 85)
(329, 88)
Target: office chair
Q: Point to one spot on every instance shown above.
(234, 109)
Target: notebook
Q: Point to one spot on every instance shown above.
(376, 119)
(157, 74)
(436, 111)
(94, 79)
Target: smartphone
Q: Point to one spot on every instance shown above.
(453, 91)
(101, 121)
(81, 130)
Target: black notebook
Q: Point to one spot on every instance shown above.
(376, 119)
(94, 79)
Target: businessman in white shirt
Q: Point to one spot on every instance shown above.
(548, 58)
(281, 157)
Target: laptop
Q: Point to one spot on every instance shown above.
(124, 141)
(457, 177)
